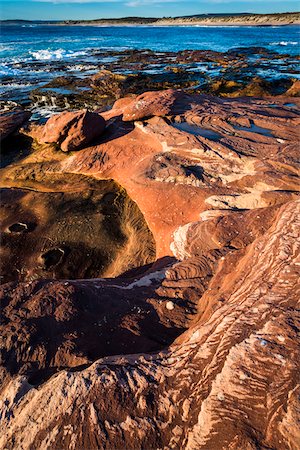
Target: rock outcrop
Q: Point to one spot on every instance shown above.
(99, 233)
(198, 349)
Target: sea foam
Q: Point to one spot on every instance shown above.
(60, 53)
(285, 43)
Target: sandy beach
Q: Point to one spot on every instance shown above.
(215, 21)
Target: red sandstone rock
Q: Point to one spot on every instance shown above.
(216, 181)
(73, 130)
(118, 107)
(151, 104)
(240, 358)
(11, 121)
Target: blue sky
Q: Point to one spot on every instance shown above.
(85, 9)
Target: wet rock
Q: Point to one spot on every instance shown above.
(260, 88)
(63, 81)
(110, 84)
(115, 85)
(224, 87)
(71, 131)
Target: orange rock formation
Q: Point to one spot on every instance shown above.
(197, 350)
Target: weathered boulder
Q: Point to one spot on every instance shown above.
(11, 121)
(73, 130)
(152, 104)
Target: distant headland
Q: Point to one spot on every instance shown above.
(240, 19)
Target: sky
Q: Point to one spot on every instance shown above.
(86, 9)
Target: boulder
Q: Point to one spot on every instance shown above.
(11, 121)
(152, 104)
(73, 130)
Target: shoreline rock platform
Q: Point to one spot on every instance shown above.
(175, 322)
(105, 76)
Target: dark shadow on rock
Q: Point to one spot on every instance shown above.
(71, 324)
(147, 268)
(15, 148)
(114, 130)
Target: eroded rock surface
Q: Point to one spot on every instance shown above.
(100, 232)
(199, 350)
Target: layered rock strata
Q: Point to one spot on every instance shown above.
(199, 349)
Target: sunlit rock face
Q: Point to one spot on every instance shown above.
(152, 299)
(73, 130)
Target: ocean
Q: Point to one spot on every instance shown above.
(33, 54)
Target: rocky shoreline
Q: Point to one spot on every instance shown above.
(150, 260)
(100, 78)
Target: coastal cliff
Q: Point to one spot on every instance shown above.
(201, 19)
(238, 19)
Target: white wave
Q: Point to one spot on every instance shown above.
(6, 70)
(43, 113)
(285, 43)
(5, 88)
(5, 48)
(65, 40)
(98, 38)
(14, 85)
(81, 67)
(46, 54)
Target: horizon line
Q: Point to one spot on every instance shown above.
(151, 17)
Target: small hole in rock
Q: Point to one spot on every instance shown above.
(18, 227)
(52, 257)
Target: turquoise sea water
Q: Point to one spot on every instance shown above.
(23, 43)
